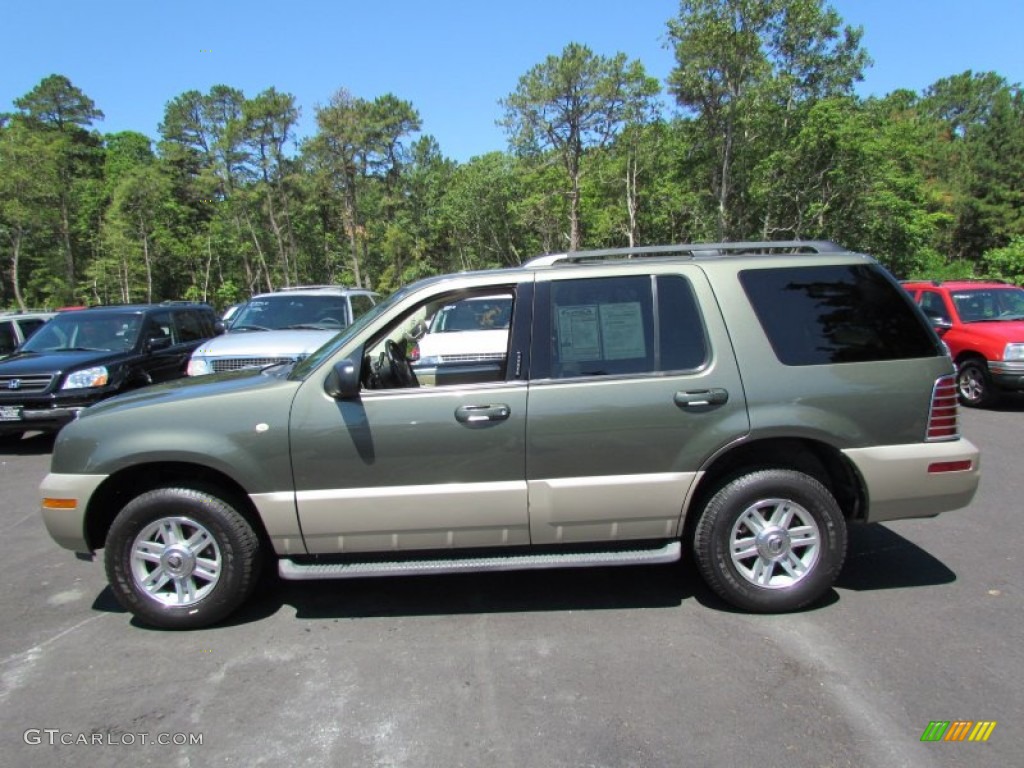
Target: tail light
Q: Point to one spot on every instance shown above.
(943, 413)
(414, 353)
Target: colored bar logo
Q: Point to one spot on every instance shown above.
(958, 730)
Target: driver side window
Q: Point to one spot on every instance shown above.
(457, 338)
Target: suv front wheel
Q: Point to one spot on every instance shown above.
(179, 558)
(974, 384)
(771, 541)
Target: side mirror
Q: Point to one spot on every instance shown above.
(342, 383)
(942, 323)
(155, 343)
(219, 326)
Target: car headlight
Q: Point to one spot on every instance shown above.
(87, 378)
(1013, 352)
(199, 366)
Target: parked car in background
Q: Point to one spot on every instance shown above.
(982, 323)
(281, 327)
(16, 327)
(464, 340)
(741, 403)
(79, 358)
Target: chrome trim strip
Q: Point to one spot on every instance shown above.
(669, 553)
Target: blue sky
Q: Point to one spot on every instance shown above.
(453, 59)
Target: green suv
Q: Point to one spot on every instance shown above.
(740, 402)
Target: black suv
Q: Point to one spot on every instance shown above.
(88, 355)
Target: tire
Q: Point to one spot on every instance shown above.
(179, 558)
(771, 541)
(974, 384)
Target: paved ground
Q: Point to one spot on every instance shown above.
(605, 667)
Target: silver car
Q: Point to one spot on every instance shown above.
(281, 327)
(16, 327)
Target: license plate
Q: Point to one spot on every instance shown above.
(10, 413)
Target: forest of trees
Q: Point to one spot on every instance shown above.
(765, 139)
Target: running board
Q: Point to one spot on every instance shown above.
(292, 571)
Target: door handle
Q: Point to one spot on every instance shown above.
(698, 397)
(477, 414)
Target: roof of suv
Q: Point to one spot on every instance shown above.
(312, 290)
(689, 251)
(957, 285)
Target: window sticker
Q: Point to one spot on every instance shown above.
(622, 331)
(601, 332)
(578, 334)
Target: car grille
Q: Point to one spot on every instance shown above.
(477, 358)
(30, 383)
(237, 363)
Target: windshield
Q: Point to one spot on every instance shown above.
(987, 304)
(327, 350)
(111, 332)
(272, 313)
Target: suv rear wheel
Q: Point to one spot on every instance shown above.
(771, 540)
(179, 558)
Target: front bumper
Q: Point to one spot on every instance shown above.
(64, 500)
(904, 481)
(43, 419)
(1007, 375)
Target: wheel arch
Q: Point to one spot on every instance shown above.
(822, 461)
(970, 354)
(126, 484)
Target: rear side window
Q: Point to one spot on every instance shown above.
(361, 304)
(8, 341)
(190, 327)
(836, 314)
(617, 326)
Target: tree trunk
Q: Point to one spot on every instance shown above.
(69, 257)
(15, 257)
(282, 252)
(632, 204)
(146, 261)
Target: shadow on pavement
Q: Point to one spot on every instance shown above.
(32, 444)
(877, 559)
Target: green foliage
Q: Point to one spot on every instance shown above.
(573, 102)
(1005, 263)
(770, 143)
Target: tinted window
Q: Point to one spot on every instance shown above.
(681, 336)
(617, 326)
(189, 326)
(30, 326)
(361, 304)
(836, 314)
(158, 325)
(933, 305)
(8, 341)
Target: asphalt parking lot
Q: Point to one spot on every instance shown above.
(609, 667)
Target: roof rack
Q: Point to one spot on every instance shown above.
(688, 249)
(312, 288)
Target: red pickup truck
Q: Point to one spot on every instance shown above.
(982, 323)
